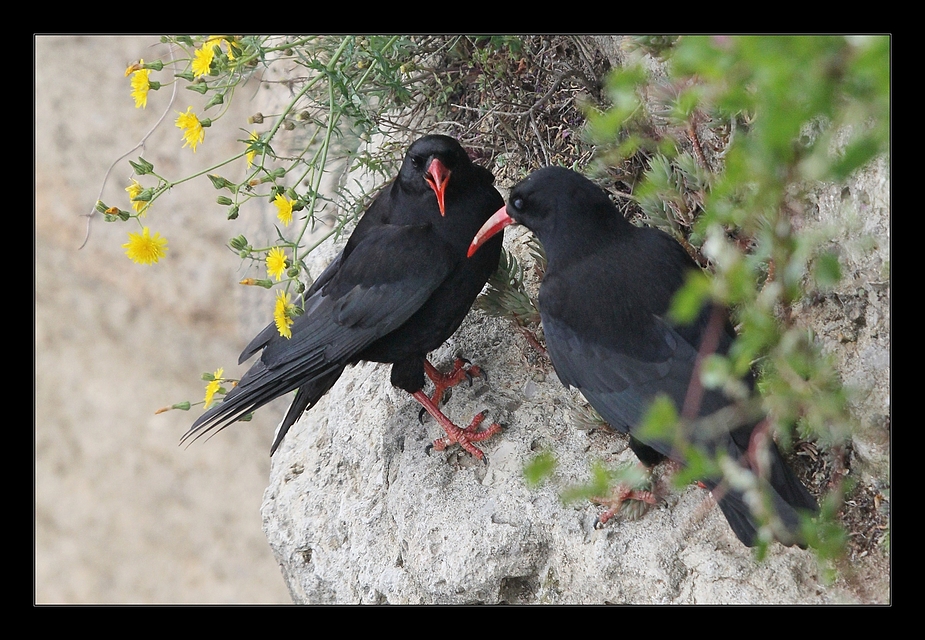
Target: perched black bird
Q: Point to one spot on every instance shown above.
(400, 288)
(604, 301)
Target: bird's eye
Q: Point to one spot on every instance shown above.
(518, 203)
(417, 161)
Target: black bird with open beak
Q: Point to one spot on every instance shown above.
(604, 304)
(401, 286)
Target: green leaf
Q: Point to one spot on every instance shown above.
(689, 300)
(827, 270)
(660, 421)
(539, 468)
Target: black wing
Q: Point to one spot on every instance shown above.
(373, 292)
(618, 384)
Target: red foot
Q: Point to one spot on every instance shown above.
(464, 437)
(443, 381)
(617, 502)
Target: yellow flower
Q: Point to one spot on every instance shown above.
(281, 315)
(193, 133)
(202, 59)
(276, 263)
(284, 208)
(214, 385)
(140, 85)
(251, 154)
(143, 248)
(138, 205)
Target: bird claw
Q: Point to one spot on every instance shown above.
(462, 369)
(632, 503)
(465, 437)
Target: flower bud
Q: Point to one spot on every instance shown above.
(219, 182)
(182, 406)
(254, 282)
(142, 167)
(218, 98)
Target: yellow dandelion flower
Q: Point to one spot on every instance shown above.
(252, 153)
(202, 59)
(276, 263)
(145, 249)
(214, 385)
(138, 205)
(281, 315)
(193, 133)
(283, 208)
(140, 85)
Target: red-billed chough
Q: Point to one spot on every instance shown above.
(604, 301)
(401, 286)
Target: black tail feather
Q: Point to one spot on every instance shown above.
(789, 499)
(307, 397)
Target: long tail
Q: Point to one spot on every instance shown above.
(789, 498)
(257, 388)
(307, 397)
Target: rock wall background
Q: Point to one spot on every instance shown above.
(122, 513)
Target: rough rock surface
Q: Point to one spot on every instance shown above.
(356, 512)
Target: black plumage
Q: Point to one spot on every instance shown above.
(401, 286)
(604, 301)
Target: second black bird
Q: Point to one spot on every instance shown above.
(401, 286)
(604, 304)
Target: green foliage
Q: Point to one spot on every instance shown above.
(507, 296)
(539, 468)
(730, 141)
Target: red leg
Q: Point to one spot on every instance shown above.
(443, 381)
(464, 437)
(619, 499)
(634, 502)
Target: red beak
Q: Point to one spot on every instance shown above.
(438, 176)
(493, 225)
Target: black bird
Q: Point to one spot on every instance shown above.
(401, 286)
(604, 301)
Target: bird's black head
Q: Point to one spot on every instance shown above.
(559, 206)
(429, 163)
(554, 197)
